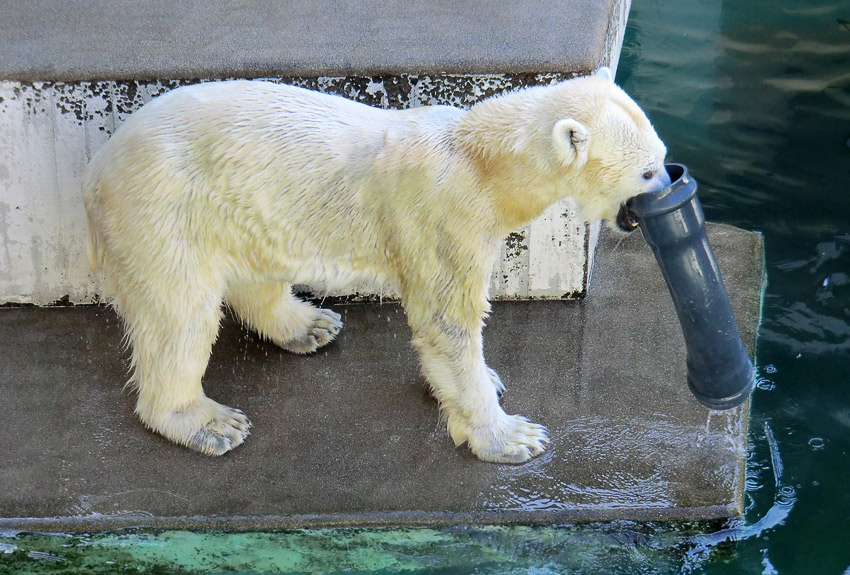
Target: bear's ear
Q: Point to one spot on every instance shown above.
(605, 73)
(571, 140)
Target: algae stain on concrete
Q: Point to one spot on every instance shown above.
(516, 244)
(621, 547)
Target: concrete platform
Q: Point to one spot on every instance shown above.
(350, 436)
(44, 40)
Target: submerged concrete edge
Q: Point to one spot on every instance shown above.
(395, 519)
(751, 344)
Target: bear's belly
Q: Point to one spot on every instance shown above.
(323, 273)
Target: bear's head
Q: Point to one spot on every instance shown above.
(607, 145)
(583, 138)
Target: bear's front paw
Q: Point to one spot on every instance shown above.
(226, 431)
(321, 332)
(203, 425)
(513, 440)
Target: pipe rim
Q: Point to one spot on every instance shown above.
(723, 403)
(668, 199)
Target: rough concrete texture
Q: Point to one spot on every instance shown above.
(350, 436)
(125, 39)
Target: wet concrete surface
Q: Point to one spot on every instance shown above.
(47, 40)
(350, 435)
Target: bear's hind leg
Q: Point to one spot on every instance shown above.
(171, 344)
(277, 315)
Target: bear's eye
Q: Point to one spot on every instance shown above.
(649, 175)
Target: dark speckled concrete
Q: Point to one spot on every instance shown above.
(350, 436)
(72, 40)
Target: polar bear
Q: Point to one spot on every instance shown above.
(233, 191)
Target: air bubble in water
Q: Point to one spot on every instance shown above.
(765, 384)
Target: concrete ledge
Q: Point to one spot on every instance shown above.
(50, 40)
(350, 436)
(51, 130)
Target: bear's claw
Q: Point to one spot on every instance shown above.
(496, 381)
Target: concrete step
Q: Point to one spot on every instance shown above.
(350, 436)
(55, 40)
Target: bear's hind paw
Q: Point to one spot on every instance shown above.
(321, 332)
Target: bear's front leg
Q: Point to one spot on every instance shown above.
(468, 391)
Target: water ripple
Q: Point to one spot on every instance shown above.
(783, 503)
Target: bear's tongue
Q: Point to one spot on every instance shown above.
(626, 219)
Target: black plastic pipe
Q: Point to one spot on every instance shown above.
(720, 373)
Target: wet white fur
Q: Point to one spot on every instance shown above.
(232, 191)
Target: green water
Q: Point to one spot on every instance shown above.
(754, 96)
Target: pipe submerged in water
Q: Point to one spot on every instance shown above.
(720, 373)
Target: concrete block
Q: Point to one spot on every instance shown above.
(64, 93)
(53, 130)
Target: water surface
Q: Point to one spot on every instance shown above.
(754, 96)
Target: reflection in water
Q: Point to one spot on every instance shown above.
(813, 316)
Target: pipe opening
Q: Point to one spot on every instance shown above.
(680, 191)
(675, 171)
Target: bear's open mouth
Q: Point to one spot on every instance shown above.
(627, 220)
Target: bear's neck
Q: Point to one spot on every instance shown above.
(513, 159)
(518, 192)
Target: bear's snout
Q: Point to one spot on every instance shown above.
(627, 220)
